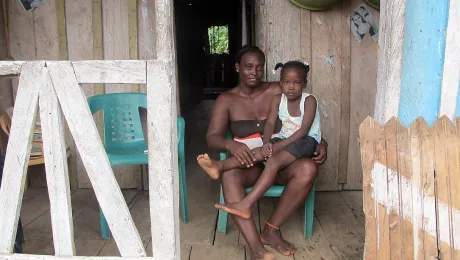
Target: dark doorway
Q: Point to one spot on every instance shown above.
(208, 35)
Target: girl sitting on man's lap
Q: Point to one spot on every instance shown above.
(299, 135)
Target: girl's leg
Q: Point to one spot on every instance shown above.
(215, 168)
(274, 164)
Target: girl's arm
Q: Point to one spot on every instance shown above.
(271, 118)
(308, 117)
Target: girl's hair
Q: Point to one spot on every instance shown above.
(248, 49)
(294, 65)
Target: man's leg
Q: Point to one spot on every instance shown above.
(298, 179)
(265, 181)
(233, 183)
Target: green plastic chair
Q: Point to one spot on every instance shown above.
(273, 191)
(124, 139)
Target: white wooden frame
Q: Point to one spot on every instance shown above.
(55, 86)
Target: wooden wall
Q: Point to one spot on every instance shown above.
(85, 30)
(343, 75)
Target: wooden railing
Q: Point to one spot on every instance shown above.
(53, 87)
(411, 189)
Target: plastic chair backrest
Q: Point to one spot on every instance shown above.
(122, 122)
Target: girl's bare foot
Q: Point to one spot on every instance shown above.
(262, 255)
(209, 166)
(271, 237)
(235, 209)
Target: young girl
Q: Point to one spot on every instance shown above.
(299, 135)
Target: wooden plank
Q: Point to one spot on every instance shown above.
(261, 26)
(61, 29)
(366, 134)
(132, 28)
(336, 221)
(110, 198)
(443, 182)
(394, 190)
(201, 252)
(110, 71)
(449, 90)
(80, 47)
(380, 179)
(427, 184)
(22, 45)
(354, 200)
(46, 31)
(405, 173)
(10, 67)
(283, 22)
(345, 95)
(18, 151)
(50, 257)
(57, 174)
(327, 74)
(116, 37)
(391, 28)
(363, 78)
(146, 29)
(163, 167)
(305, 42)
(418, 131)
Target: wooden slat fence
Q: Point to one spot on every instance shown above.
(411, 189)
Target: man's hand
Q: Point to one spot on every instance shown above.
(266, 150)
(320, 155)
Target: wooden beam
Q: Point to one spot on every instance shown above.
(132, 28)
(391, 35)
(51, 257)
(76, 111)
(451, 73)
(163, 167)
(57, 173)
(11, 68)
(18, 152)
(110, 71)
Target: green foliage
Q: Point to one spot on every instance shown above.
(218, 39)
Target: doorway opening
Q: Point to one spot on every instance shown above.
(208, 35)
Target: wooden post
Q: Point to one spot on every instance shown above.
(162, 138)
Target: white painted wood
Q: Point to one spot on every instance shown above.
(163, 170)
(57, 172)
(76, 111)
(163, 166)
(18, 151)
(451, 73)
(110, 71)
(10, 67)
(389, 70)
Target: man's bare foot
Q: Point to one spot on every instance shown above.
(262, 255)
(235, 209)
(209, 166)
(271, 237)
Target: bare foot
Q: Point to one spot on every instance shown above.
(273, 239)
(235, 209)
(209, 166)
(262, 255)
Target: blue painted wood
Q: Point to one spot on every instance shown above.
(423, 59)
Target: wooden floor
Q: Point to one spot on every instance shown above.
(338, 224)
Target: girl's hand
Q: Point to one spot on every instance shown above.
(242, 153)
(267, 150)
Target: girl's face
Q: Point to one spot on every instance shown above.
(292, 82)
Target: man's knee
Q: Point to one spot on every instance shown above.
(307, 173)
(230, 177)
